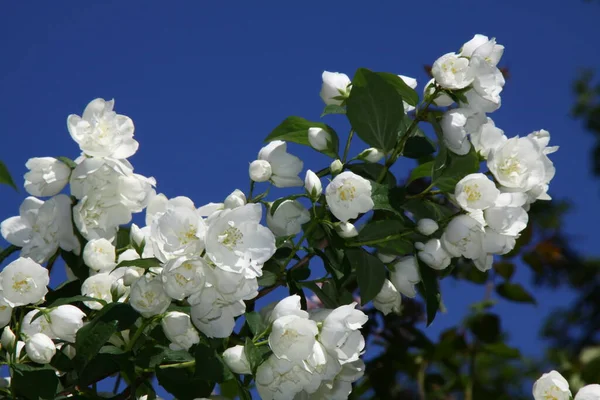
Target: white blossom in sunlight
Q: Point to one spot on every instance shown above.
(313, 185)
(411, 83)
(456, 125)
(349, 195)
(476, 192)
(47, 176)
(285, 167)
(452, 72)
(388, 299)
(292, 337)
(98, 286)
(433, 254)
(340, 333)
(24, 281)
(335, 84)
(179, 330)
(148, 296)
(288, 218)
(588, 392)
(100, 255)
(101, 132)
(319, 138)
(551, 386)
(236, 199)
(183, 276)
(96, 217)
(236, 360)
(487, 138)
(41, 228)
(40, 348)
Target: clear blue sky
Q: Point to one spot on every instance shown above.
(205, 82)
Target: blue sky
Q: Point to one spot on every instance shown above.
(205, 82)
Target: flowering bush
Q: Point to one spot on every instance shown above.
(167, 299)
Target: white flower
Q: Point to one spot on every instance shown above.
(336, 167)
(98, 286)
(47, 176)
(213, 314)
(131, 275)
(41, 228)
(406, 275)
(40, 348)
(41, 324)
(335, 84)
(235, 358)
(97, 217)
(100, 255)
(371, 155)
(487, 84)
(386, 258)
(312, 184)
(341, 335)
(506, 220)
(346, 230)
(482, 45)
(148, 297)
(183, 276)
(260, 171)
(292, 337)
(284, 166)
(179, 330)
(463, 237)
(24, 282)
(280, 379)
(319, 138)
(427, 226)
(236, 242)
(388, 299)
(520, 165)
(551, 386)
(441, 99)
(65, 321)
(487, 138)
(456, 124)
(237, 198)
(5, 312)
(411, 83)
(476, 192)
(433, 254)
(322, 366)
(349, 195)
(8, 338)
(288, 218)
(100, 132)
(128, 255)
(178, 231)
(288, 306)
(452, 72)
(589, 392)
(496, 243)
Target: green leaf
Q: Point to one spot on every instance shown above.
(141, 263)
(485, 327)
(255, 355)
(408, 94)
(270, 274)
(123, 237)
(421, 171)
(429, 286)
(255, 323)
(380, 194)
(418, 146)
(183, 384)
(209, 365)
(501, 349)
(33, 382)
(5, 177)
(370, 273)
(514, 292)
(375, 110)
(91, 337)
(388, 235)
(371, 172)
(328, 301)
(333, 109)
(295, 130)
(505, 269)
(278, 202)
(456, 168)
(74, 299)
(66, 160)
(422, 208)
(76, 264)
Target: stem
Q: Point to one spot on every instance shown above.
(8, 251)
(471, 377)
(117, 384)
(385, 239)
(400, 145)
(179, 365)
(421, 380)
(251, 189)
(347, 148)
(138, 333)
(297, 246)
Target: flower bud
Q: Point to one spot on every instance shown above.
(441, 99)
(551, 386)
(388, 299)
(386, 258)
(236, 360)
(47, 176)
(130, 276)
(336, 167)
(319, 138)
(40, 348)
(346, 230)
(236, 199)
(312, 184)
(335, 85)
(65, 321)
(260, 171)
(179, 330)
(8, 338)
(371, 155)
(100, 255)
(427, 226)
(433, 254)
(136, 235)
(288, 218)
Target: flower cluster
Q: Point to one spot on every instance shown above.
(314, 356)
(554, 386)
